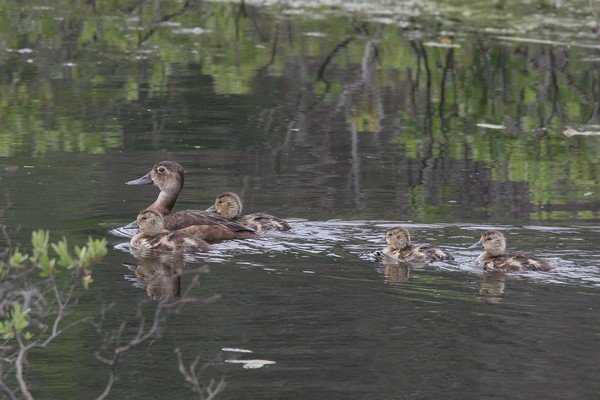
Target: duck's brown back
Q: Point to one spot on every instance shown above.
(514, 262)
(433, 253)
(211, 227)
(262, 222)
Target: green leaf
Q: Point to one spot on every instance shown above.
(66, 260)
(14, 321)
(18, 258)
(39, 240)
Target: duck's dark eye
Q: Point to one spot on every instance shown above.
(488, 238)
(161, 169)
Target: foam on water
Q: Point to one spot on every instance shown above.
(360, 240)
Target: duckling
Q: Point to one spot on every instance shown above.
(153, 236)
(229, 205)
(168, 176)
(494, 258)
(399, 248)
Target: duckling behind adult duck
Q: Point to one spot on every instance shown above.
(229, 205)
(494, 259)
(153, 236)
(399, 248)
(168, 176)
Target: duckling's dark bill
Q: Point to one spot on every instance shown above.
(144, 180)
(132, 225)
(476, 245)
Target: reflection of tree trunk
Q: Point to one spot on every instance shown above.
(414, 82)
(427, 118)
(366, 81)
(330, 56)
(428, 160)
(548, 91)
(163, 19)
(448, 69)
(355, 165)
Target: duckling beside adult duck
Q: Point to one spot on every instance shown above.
(168, 176)
(153, 236)
(399, 248)
(229, 205)
(494, 259)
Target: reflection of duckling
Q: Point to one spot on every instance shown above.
(399, 248)
(492, 287)
(159, 276)
(229, 205)
(494, 259)
(396, 273)
(152, 236)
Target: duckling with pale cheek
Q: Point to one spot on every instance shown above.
(494, 259)
(153, 236)
(229, 205)
(399, 248)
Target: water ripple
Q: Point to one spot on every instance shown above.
(357, 241)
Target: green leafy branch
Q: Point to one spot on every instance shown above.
(79, 262)
(24, 304)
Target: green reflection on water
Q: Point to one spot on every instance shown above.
(71, 69)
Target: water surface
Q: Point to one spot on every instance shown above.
(345, 123)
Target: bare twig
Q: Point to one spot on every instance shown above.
(7, 391)
(190, 375)
(19, 363)
(147, 330)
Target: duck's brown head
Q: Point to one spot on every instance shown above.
(493, 242)
(397, 238)
(166, 175)
(229, 205)
(151, 223)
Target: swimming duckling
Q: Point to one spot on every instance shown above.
(399, 248)
(153, 236)
(168, 176)
(494, 258)
(229, 205)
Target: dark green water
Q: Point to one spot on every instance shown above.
(345, 124)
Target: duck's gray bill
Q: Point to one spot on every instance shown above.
(144, 180)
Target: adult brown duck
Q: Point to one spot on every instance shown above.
(494, 259)
(168, 176)
(229, 205)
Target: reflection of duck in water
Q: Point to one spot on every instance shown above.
(494, 259)
(396, 273)
(168, 176)
(159, 276)
(153, 236)
(399, 248)
(229, 205)
(492, 287)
